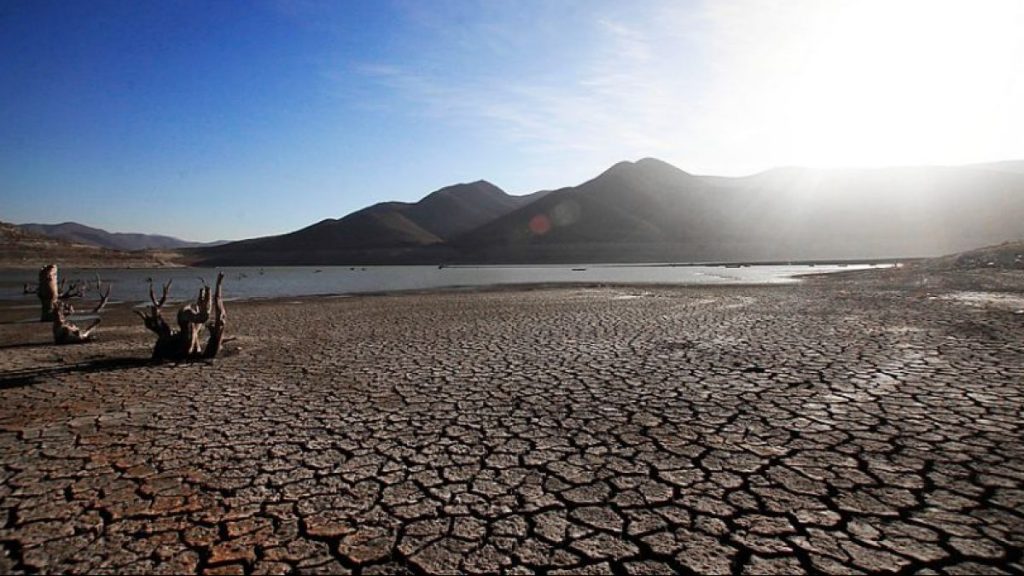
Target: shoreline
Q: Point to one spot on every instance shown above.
(8, 266)
(389, 280)
(442, 290)
(868, 277)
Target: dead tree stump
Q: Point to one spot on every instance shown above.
(47, 292)
(65, 331)
(51, 293)
(184, 343)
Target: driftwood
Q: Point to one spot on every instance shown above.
(184, 343)
(51, 293)
(65, 331)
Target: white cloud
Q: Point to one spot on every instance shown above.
(742, 85)
(619, 100)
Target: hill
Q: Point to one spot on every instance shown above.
(385, 232)
(23, 249)
(1005, 256)
(82, 234)
(651, 211)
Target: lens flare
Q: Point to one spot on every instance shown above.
(540, 224)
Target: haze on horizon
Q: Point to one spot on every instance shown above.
(208, 120)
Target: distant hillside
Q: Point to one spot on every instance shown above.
(390, 231)
(457, 209)
(23, 249)
(82, 234)
(1005, 256)
(979, 273)
(652, 211)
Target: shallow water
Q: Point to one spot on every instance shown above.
(285, 281)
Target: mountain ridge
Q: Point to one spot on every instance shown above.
(24, 249)
(388, 231)
(125, 241)
(651, 211)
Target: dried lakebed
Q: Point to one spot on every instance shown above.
(819, 427)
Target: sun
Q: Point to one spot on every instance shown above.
(876, 82)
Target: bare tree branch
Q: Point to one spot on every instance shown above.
(184, 342)
(75, 290)
(53, 299)
(104, 295)
(65, 331)
(219, 323)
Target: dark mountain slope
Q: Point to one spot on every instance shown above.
(456, 209)
(385, 232)
(649, 210)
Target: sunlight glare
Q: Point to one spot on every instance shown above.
(875, 82)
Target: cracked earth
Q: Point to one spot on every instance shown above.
(763, 430)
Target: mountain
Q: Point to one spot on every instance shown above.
(652, 211)
(81, 234)
(454, 210)
(389, 231)
(20, 248)
(623, 205)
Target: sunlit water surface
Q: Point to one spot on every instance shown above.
(132, 285)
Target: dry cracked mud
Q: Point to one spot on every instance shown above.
(755, 430)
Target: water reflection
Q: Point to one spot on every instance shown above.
(284, 281)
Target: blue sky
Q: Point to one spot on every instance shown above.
(209, 120)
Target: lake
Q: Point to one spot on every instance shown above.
(286, 281)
